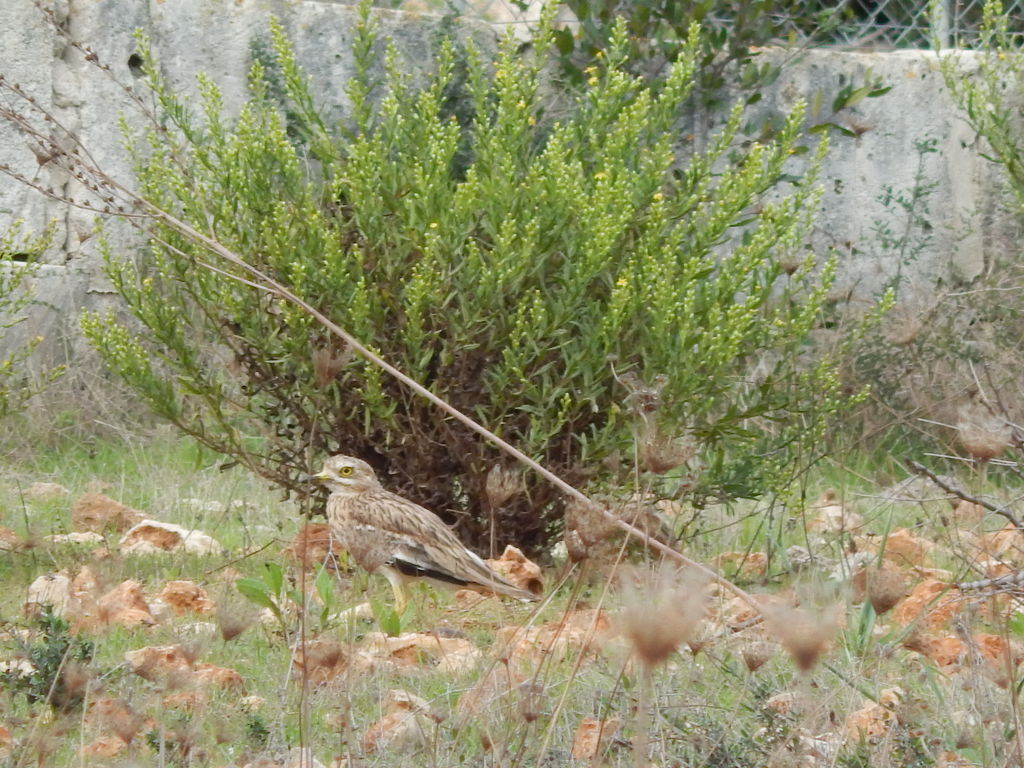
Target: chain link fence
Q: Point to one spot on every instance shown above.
(877, 24)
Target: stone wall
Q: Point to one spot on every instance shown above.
(188, 37)
(966, 229)
(913, 136)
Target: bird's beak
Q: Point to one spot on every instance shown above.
(320, 476)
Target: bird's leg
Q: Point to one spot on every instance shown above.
(401, 598)
(399, 588)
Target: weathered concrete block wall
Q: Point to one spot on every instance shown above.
(188, 37)
(912, 137)
(966, 230)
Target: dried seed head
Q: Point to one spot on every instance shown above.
(660, 453)
(531, 699)
(982, 434)
(588, 521)
(117, 716)
(329, 362)
(886, 587)
(70, 690)
(502, 484)
(804, 635)
(756, 654)
(48, 739)
(791, 262)
(643, 398)
(662, 608)
(698, 643)
(574, 546)
(192, 649)
(232, 619)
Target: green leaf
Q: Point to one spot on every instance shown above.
(274, 575)
(387, 618)
(255, 591)
(324, 584)
(1016, 624)
(856, 96)
(564, 41)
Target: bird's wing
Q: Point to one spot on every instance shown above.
(424, 547)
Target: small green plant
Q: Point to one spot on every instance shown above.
(389, 620)
(576, 285)
(917, 233)
(271, 592)
(274, 593)
(257, 734)
(56, 663)
(18, 256)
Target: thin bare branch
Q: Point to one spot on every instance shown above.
(960, 493)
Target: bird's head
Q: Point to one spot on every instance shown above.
(346, 474)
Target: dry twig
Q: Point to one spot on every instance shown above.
(920, 469)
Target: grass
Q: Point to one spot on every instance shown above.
(709, 708)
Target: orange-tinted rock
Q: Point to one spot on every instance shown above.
(405, 727)
(155, 662)
(944, 650)
(105, 746)
(9, 540)
(592, 737)
(968, 512)
(581, 630)
(870, 723)
(490, 691)
(314, 545)
(783, 703)
(833, 516)
(153, 537)
(994, 648)
(96, 512)
(49, 591)
(738, 611)
(423, 649)
(1007, 544)
(185, 597)
(208, 675)
(126, 605)
(932, 602)
(519, 570)
(118, 717)
(906, 548)
(184, 701)
(319, 661)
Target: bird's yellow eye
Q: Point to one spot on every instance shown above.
(345, 471)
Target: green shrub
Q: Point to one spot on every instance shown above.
(574, 285)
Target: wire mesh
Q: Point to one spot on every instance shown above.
(855, 23)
